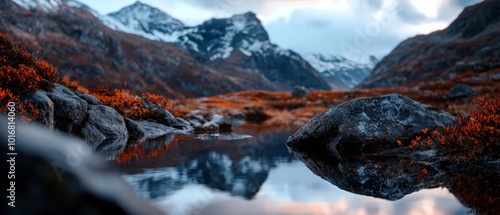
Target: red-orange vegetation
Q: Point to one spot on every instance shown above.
(127, 105)
(20, 72)
(479, 133)
(131, 106)
(21, 75)
(476, 135)
(162, 101)
(21, 80)
(73, 85)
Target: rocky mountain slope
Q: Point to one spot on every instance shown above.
(340, 72)
(468, 47)
(236, 43)
(79, 42)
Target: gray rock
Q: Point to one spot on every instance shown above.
(462, 91)
(183, 125)
(168, 119)
(69, 109)
(46, 107)
(143, 130)
(104, 123)
(90, 99)
(57, 174)
(134, 130)
(299, 92)
(366, 125)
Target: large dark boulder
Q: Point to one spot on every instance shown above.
(57, 174)
(69, 109)
(365, 126)
(299, 92)
(103, 123)
(462, 91)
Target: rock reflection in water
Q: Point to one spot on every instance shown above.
(109, 148)
(389, 178)
(238, 166)
(393, 178)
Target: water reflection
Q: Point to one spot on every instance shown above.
(237, 166)
(188, 175)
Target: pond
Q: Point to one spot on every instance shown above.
(253, 173)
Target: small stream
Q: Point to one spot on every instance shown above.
(251, 172)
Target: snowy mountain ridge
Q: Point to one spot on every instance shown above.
(340, 71)
(146, 21)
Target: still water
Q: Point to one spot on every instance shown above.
(252, 173)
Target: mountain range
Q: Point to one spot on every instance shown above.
(469, 48)
(143, 49)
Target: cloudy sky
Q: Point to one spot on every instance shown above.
(352, 28)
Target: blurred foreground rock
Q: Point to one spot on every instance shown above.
(57, 174)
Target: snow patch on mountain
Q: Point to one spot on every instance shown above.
(340, 71)
(146, 21)
(46, 5)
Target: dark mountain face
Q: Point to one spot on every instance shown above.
(241, 41)
(81, 45)
(470, 45)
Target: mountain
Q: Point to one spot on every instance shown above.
(81, 44)
(73, 38)
(239, 43)
(147, 21)
(467, 48)
(242, 41)
(340, 72)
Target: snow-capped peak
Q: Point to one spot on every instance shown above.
(147, 21)
(218, 38)
(46, 5)
(340, 71)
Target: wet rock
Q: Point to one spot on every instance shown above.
(183, 125)
(462, 91)
(168, 119)
(69, 109)
(57, 174)
(134, 130)
(366, 125)
(143, 130)
(299, 92)
(104, 123)
(46, 107)
(90, 99)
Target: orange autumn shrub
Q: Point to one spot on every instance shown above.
(72, 85)
(479, 133)
(147, 107)
(20, 72)
(127, 105)
(21, 75)
(475, 136)
(161, 101)
(21, 80)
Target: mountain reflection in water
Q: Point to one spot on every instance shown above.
(187, 175)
